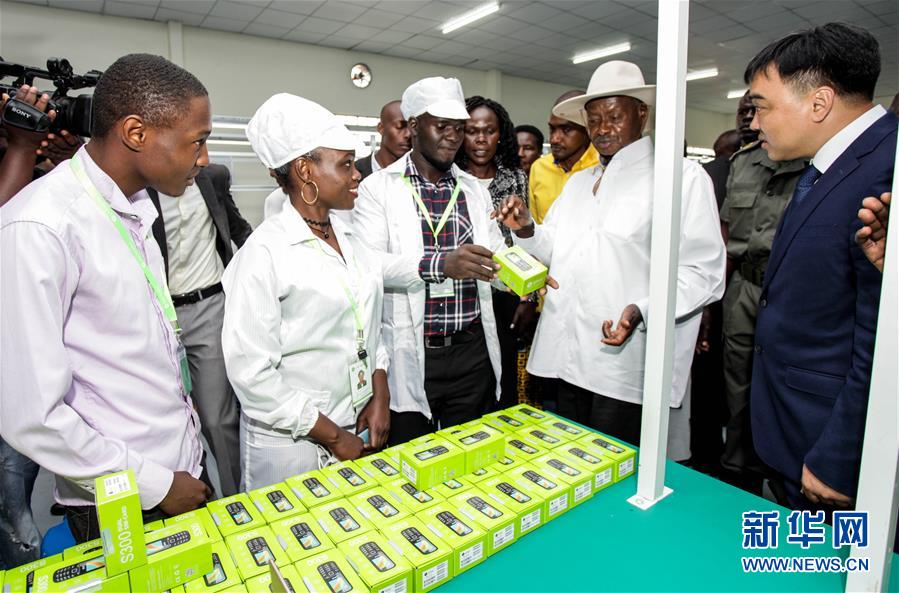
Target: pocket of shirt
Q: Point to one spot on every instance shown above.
(815, 382)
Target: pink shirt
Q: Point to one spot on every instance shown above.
(90, 380)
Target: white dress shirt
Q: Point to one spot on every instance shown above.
(597, 248)
(839, 142)
(190, 236)
(274, 203)
(91, 381)
(289, 331)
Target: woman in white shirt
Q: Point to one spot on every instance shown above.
(301, 334)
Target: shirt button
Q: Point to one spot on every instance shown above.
(758, 349)
(764, 302)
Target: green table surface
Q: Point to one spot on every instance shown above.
(689, 541)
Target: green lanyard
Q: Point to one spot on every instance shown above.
(160, 291)
(427, 214)
(357, 315)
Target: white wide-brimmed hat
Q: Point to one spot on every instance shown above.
(286, 127)
(441, 97)
(615, 78)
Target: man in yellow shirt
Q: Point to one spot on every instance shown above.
(570, 151)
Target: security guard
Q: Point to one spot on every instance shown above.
(758, 191)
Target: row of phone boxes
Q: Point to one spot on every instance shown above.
(307, 517)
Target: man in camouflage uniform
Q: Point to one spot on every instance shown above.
(758, 191)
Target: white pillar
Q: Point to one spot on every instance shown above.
(671, 68)
(879, 476)
(493, 85)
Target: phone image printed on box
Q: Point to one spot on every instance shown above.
(279, 501)
(382, 506)
(317, 489)
(544, 437)
(566, 469)
(608, 446)
(75, 570)
(258, 547)
(478, 503)
(238, 513)
(344, 519)
(217, 574)
(304, 535)
(577, 452)
(523, 446)
(509, 420)
(332, 575)
(567, 428)
(417, 494)
(474, 438)
(170, 541)
(519, 262)
(350, 476)
(453, 522)
(513, 492)
(539, 480)
(533, 414)
(415, 537)
(386, 468)
(432, 452)
(376, 556)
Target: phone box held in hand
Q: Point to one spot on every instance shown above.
(121, 522)
(520, 271)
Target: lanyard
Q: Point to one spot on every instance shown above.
(357, 315)
(159, 291)
(427, 214)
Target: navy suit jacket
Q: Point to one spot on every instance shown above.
(816, 322)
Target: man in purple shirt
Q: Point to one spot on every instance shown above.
(93, 375)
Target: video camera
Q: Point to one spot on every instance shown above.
(72, 113)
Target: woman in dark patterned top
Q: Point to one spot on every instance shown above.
(490, 153)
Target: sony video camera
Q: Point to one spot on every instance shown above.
(72, 113)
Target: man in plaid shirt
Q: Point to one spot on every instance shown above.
(431, 222)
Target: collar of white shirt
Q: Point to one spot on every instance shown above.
(630, 154)
(111, 191)
(299, 232)
(840, 141)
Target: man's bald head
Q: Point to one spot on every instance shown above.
(568, 95)
(394, 130)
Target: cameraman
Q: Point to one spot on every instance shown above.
(20, 540)
(20, 149)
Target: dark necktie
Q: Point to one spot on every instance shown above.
(805, 184)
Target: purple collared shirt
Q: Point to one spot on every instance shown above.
(90, 378)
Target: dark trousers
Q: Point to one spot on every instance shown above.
(504, 306)
(459, 384)
(708, 408)
(613, 417)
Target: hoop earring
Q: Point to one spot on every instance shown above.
(303, 193)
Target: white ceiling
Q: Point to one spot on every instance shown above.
(530, 39)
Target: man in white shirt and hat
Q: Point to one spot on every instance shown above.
(596, 240)
(431, 222)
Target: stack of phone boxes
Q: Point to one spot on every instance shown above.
(407, 519)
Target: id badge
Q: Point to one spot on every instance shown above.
(185, 369)
(442, 290)
(360, 383)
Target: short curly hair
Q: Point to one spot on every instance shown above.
(507, 151)
(145, 85)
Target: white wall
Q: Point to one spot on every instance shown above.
(241, 71)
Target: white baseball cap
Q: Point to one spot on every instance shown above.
(286, 127)
(441, 97)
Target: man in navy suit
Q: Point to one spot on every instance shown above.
(813, 94)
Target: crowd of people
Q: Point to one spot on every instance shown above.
(366, 311)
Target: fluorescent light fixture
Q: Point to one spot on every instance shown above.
(469, 17)
(736, 93)
(700, 74)
(602, 52)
